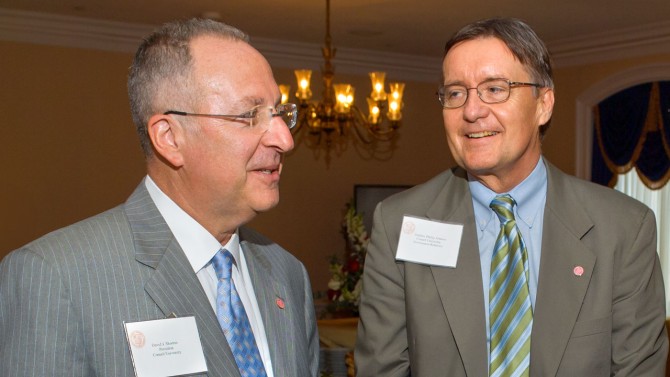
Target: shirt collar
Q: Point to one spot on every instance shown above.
(198, 244)
(529, 196)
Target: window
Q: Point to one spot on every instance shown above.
(659, 201)
(630, 152)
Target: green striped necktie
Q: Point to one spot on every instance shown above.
(510, 311)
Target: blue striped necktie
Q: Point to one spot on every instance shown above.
(510, 311)
(233, 319)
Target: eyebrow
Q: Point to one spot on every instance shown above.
(252, 101)
(245, 103)
(488, 78)
(455, 82)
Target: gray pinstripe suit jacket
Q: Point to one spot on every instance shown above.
(65, 296)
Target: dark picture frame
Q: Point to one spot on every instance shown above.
(366, 198)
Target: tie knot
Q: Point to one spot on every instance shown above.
(223, 264)
(503, 206)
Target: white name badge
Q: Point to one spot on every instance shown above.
(429, 242)
(165, 347)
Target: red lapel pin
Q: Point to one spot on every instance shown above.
(578, 270)
(280, 303)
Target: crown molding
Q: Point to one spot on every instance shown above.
(77, 32)
(65, 31)
(286, 54)
(647, 39)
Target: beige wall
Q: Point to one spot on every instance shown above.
(69, 149)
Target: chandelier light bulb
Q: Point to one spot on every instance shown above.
(303, 77)
(344, 96)
(284, 90)
(377, 80)
(374, 111)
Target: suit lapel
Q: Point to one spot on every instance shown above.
(460, 288)
(268, 290)
(174, 286)
(560, 291)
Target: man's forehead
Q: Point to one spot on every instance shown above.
(235, 70)
(485, 58)
(480, 48)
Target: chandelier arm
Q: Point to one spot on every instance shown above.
(361, 136)
(358, 120)
(304, 112)
(383, 134)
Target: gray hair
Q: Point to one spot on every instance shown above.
(522, 41)
(161, 67)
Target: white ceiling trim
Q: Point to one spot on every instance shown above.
(55, 30)
(612, 45)
(67, 31)
(401, 67)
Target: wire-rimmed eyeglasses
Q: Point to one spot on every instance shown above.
(260, 115)
(489, 91)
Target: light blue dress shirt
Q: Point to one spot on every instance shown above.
(530, 196)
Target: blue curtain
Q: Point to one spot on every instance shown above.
(632, 130)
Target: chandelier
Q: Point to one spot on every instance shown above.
(328, 122)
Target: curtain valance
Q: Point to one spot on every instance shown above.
(632, 129)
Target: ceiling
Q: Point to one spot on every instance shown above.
(411, 27)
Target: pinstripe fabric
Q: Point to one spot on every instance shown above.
(281, 277)
(65, 296)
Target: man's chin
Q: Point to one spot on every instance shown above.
(478, 167)
(266, 203)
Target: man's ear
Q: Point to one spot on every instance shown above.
(545, 105)
(167, 138)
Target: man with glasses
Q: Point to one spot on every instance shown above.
(505, 266)
(171, 282)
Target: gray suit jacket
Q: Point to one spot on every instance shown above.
(430, 320)
(65, 296)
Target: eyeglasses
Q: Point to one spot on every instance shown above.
(258, 117)
(489, 91)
